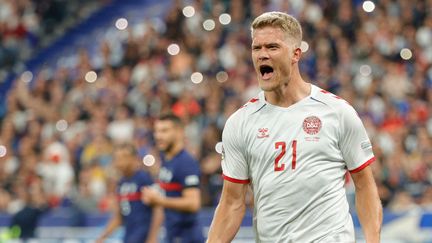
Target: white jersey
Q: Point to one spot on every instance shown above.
(296, 159)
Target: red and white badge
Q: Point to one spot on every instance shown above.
(312, 125)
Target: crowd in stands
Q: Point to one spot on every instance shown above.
(60, 129)
(28, 25)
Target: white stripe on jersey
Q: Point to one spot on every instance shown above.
(296, 159)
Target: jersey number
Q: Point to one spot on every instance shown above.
(281, 166)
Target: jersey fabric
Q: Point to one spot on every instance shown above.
(295, 159)
(175, 175)
(136, 216)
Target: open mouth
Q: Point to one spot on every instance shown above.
(266, 71)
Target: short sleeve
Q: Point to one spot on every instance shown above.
(190, 174)
(354, 143)
(234, 164)
(146, 179)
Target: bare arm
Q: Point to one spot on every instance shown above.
(229, 213)
(190, 201)
(368, 204)
(114, 222)
(155, 224)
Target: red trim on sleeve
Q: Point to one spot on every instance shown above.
(235, 180)
(364, 165)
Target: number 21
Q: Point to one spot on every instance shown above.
(280, 166)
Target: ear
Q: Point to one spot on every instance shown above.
(296, 55)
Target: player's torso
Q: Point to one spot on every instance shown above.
(129, 196)
(294, 161)
(168, 178)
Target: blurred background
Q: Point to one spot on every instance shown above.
(79, 76)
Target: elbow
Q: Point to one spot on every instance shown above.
(194, 206)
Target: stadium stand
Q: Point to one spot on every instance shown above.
(67, 98)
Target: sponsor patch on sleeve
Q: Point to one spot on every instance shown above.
(192, 180)
(366, 145)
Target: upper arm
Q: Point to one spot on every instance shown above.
(234, 193)
(193, 194)
(363, 178)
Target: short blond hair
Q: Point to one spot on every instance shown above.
(289, 25)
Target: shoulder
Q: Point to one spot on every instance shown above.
(245, 111)
(334, 102)
(142, 175)
(186, 158)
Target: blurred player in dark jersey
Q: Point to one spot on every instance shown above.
(179, 177)
(141, 222)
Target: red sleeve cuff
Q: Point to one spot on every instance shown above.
(364, 165)
(247, 181)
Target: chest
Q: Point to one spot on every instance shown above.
(278, 141)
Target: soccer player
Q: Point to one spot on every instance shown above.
(179, 177)
(141, 222)
(293, 144)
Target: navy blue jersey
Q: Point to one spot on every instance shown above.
(136, 216)
(179, 173)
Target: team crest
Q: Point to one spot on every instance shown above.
(263, 133)
(312, 125)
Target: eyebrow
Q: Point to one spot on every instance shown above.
(268, 45)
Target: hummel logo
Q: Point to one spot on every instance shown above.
(263, 133)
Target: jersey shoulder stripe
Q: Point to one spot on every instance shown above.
(338, 104)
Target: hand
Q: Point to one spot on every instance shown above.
(100, 240)
(152, 240)
(150, 196)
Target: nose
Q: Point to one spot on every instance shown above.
(263, 55)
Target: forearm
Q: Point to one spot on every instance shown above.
(181, 204)
(112, 225)
(226, 222)
(369, 211)
(155, 225)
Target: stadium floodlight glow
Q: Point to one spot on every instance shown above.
(121, 23)
(209, 24)
(61, 125)
(173, 49)
(197, 77)
(222, 76)
(27, 76)
(219, 148)
(188, 11)
(225, 18)
(304, 46)
(406, 54)
(149, 160)
(90, 76)
(3, 151)
(368, 6)
(365, 70)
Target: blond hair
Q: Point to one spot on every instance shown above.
(287, 23)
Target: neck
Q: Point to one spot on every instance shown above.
(289, 93)
(130, 171)
(176, 148)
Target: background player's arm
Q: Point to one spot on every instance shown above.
(190, 200)
(368, 204)
(115, 221)
(155, 225)
(229, 213)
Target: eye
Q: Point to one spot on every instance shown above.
(273, 47)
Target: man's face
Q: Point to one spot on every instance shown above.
(273, 57)
(123, 160)
(165, 134)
